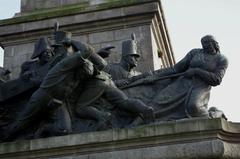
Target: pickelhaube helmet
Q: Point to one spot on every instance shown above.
(41, 46)
(129, 47)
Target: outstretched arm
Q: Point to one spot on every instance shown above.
(179, 67)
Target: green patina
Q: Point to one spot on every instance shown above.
(69, 10)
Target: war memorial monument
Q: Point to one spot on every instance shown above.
(97, 79)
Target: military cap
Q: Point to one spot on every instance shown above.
(129, 47)
(41, 46)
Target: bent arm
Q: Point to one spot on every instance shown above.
(24, 68)
(214, 78)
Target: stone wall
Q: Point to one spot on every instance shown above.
(32, 5)
(182, 139)
(101, 23)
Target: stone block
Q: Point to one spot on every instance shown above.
(15, 71)
(92, 22)
(8, 52)
(125, 33)
(81, 38)
(7, 62)
(101, 37)
(30, 6)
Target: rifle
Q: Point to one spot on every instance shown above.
(143, 80)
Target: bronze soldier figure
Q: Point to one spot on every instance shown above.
(34, 71)
(101, 85)
(56, 86)
(125, 69)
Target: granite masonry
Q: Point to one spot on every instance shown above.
(98, 22)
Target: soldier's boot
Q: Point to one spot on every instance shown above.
(10, 132)
(144, 118)
(104, 121)
(148, 115)
(137, 121)
(138, 107)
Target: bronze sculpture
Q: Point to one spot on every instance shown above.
(34, 71)
(76, 86)
(184, 89)
(67, 75)
(129, 60)
(101, 85)
(57, 84)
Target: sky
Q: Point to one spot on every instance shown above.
(188, 21)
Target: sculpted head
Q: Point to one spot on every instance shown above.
(131, 60)
(42, 50)
(45, 56)
(210, 45)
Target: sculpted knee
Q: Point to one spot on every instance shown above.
(194, 110)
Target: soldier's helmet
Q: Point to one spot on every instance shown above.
(41, 46)
(129, 47)
(61, 37)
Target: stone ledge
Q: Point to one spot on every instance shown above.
(70, 10)
(119, 14)
(28, 6)
(188, 138)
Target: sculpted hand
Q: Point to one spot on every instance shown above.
(121, 83)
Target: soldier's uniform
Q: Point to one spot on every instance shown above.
(123, 70)
(103, 86)
(34, 71)
(57, 84)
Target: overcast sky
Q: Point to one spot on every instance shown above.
(188, 21)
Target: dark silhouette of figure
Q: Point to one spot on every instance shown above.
(125, 68)
(56, 86)
(34, 71)
(77, 69)
(102, 86)
(196, 73)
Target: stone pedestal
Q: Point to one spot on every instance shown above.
(97, 22)
(183, 139)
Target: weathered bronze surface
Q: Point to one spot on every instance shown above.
(71, 91)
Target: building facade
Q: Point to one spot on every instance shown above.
(97, 22)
